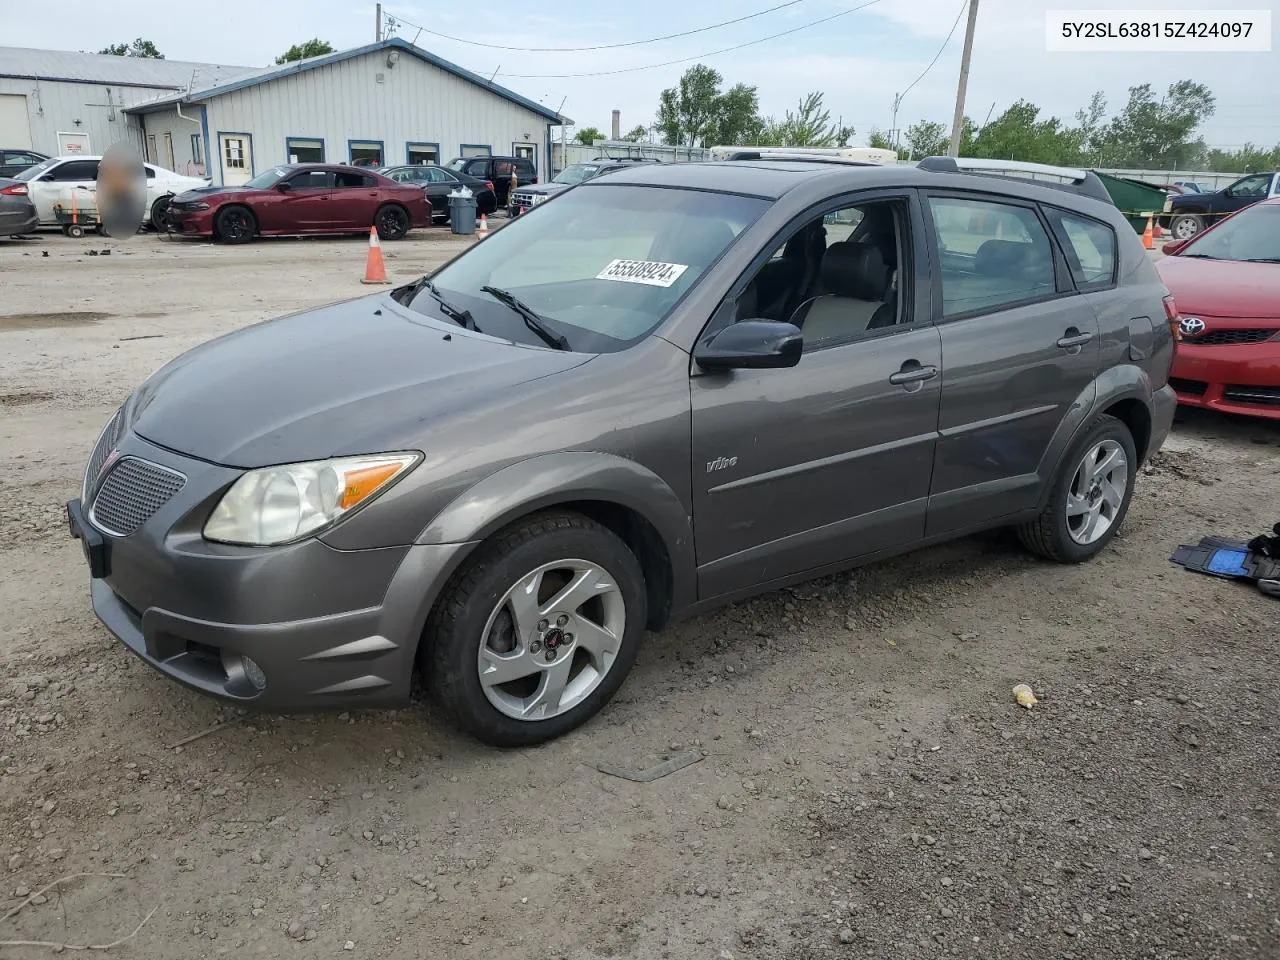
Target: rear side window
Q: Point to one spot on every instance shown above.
(525, 167)
(74, 170)
(992, 255)
(478, 168)
(345, 179)
(312, 180)
(1090, 246)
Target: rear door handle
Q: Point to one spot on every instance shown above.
(912, 372)
(1074, 340)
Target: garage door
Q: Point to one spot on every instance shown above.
(15, 131)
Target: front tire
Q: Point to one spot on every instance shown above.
(234, 224)
(537, 631)
(392, 222)
(160, 215)
(1090, 495)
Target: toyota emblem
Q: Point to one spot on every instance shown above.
(1191, 326)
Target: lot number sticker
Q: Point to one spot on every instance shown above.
(652, 273)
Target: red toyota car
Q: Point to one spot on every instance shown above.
(1226, 283)
(301, 198)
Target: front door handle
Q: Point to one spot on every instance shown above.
(913, 372)
(1076, 339)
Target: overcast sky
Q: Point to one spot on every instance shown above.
(859, 60)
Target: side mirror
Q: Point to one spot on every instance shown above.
(47, 178)
(1172, 247)
(284, 186)
(751, 345)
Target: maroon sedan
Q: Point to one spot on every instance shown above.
(300, 198)
(1226, 282)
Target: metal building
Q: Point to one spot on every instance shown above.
(59, 102)
(385, 103)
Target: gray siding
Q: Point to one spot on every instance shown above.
(53, 106)
(167, 121)
(414, 102)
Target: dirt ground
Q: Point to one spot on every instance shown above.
(869, 789)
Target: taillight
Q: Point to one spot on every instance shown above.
(1171, 314)
(17, 190)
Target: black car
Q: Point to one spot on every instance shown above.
(497, 170)
(438, 183)
(13, 162)
(1186, 215)
(532, 195)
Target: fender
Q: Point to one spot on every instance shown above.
(557, 478)
(1122, 382)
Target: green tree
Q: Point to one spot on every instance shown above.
(696, 113)
(879, 139)
(1248, 159)
(301, 51)
(1158, 132)
(589, 135)
(1019, 134)
(638, 133)
(809, 126)
(1089, 126)
(139, 48)
(928, 138)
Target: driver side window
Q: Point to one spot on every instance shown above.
(836, 277)
(1252, 186)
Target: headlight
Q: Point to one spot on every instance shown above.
(197, 206)
(278, 504)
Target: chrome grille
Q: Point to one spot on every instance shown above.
(106, 443)
(1222, 338)
(131, 494)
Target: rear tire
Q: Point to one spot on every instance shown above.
(392, 222)
(479, 625)
(1186, 226)
(1085, 489)
(234, 224)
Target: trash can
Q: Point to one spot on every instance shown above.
(462, 213)
(1134, 198)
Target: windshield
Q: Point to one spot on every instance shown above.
(602, 266)
(576, 173)
(268, 178)
(1252, 234)
(32, 172)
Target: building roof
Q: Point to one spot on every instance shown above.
(69, 65)
(217, 89)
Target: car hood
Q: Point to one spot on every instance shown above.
(197, 192)
(1223, 288)
(363, 376)
(543, 188)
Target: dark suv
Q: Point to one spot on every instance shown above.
(526, 197)
(676, 386)
(497, 170)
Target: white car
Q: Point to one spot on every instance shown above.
(64, 179)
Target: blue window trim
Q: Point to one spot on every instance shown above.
(382, 148)
(204, 132)
(320, 140)
(420, 143)
(234, 133)
(475, 146)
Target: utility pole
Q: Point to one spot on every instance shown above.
(893, 131)
(957, 122)
(377, 30)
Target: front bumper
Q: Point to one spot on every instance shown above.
(324, 628)
(190, 223)
(1242, 379)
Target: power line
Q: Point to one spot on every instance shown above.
(952, 31)
(602, 46)
(701, 56)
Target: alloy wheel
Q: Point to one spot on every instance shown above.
(1097, 492)
(551, 639)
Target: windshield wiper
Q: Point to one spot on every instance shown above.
(1200, 256)
(1262, 260)
(531, 319)
(461, 317)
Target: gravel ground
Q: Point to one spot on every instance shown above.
(868, 788)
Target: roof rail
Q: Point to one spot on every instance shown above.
(1071, 179)
(800, 158)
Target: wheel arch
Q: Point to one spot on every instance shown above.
(620, 494)
(1123, 392)
(217, 211)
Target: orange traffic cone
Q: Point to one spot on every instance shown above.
(375, 270)
(1148, 235)
(483, 229)
(1157, 231)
